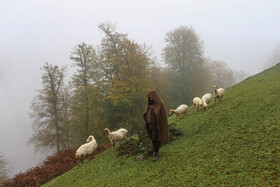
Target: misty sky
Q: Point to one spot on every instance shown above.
(242, 33)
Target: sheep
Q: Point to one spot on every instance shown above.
(86, 149)
(218, 93)
(206, 100)
(181, 110)
(115, 136)
(196, 103)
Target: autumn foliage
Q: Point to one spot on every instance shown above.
(52, 167)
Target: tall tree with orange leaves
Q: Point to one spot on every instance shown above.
(126, 67)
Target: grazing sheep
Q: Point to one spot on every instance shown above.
(115, 136)
(181, 110)
(196, 103)
(218, 93)
(206, 100)
(86, 149)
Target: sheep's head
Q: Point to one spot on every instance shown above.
(76, 155)
(214, 87)
(90, 138)
(106, 131)
(171, 111)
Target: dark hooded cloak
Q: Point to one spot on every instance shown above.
(161, 116)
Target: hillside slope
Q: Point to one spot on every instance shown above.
(236, 142)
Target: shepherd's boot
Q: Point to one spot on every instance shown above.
(155, 156)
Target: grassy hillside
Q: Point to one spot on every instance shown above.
(236, 142)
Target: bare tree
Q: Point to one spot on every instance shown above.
(47, 110)
(66, 122)
(222, 74)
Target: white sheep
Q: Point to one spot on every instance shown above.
(180, 111)
(206, 100)
(196, 103)
(86, 149)
(115, 136)
(218, 93)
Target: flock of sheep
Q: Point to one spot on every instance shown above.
(88, 148)
(181, 111)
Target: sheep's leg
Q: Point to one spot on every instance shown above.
(79, 162)
(114, 143)
(92, 156)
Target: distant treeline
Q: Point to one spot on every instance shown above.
(110, 85)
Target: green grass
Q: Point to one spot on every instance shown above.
(234, 143)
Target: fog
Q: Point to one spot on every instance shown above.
(242, 33)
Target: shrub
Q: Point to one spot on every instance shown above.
(140, 143)
(52, 167)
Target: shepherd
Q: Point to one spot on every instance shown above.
(155, 117)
